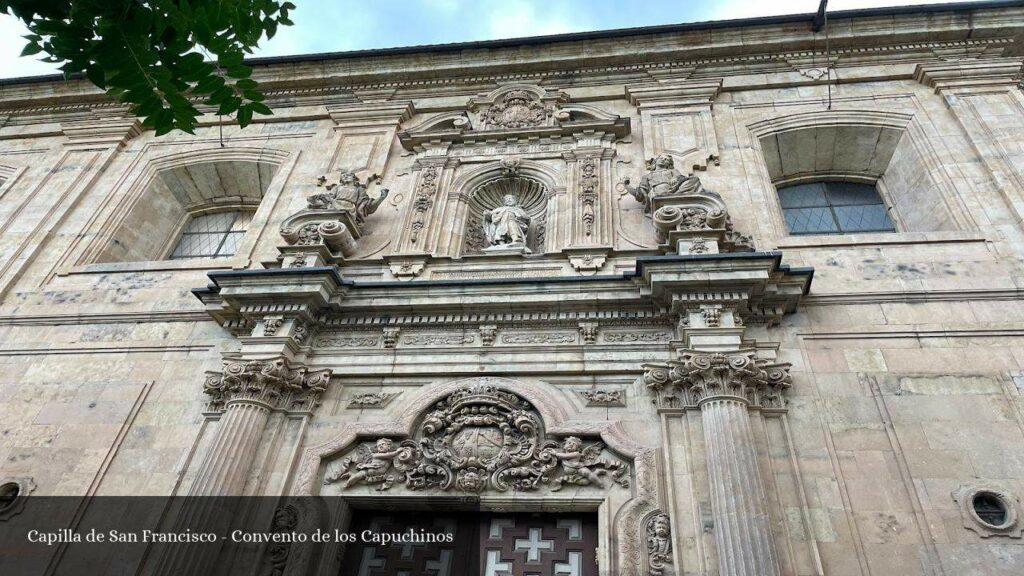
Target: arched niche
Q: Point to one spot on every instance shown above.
(532, 197)
(532, 183)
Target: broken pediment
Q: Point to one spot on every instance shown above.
(514, 111)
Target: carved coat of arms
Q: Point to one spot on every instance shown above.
(480, 438)
(517, 109)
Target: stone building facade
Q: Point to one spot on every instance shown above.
(567, 275)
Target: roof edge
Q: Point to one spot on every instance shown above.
(968, 6)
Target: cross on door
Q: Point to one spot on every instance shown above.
(534, 545)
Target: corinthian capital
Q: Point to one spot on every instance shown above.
(701, 376)
(270, 383)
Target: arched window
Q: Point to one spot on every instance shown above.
(213, 235)
(191, 211)
(834, 208)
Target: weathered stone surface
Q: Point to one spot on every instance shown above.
(730, 416)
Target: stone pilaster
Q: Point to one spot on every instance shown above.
(676, 119)
(984, 96)
(724, 386)
(246, 392)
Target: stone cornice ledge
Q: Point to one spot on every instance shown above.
(967, 74)
(756, 282)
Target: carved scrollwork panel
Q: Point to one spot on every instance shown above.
(480, 438)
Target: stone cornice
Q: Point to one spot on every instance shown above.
(678, 93)
(375, 74)
(753, 283)
(960, 75)
(359, 114)
(101, 132)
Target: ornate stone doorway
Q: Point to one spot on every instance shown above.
(483, 544)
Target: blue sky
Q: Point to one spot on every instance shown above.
(339, 25)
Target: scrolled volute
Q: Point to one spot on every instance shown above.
(270, 383)
(701, 376)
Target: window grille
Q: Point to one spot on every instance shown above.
(212, 235)
(834, 208)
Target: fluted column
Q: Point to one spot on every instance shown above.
(742, 527)
(247, 392)
(724, 385)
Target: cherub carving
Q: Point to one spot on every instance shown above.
(373, 467)
(348, 194)
(659, 544)
(582, 466)
(662, 179)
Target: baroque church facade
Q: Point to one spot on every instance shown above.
(685, 300)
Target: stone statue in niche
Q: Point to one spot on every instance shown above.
(348, 194)
(505, 227)
(662, 179)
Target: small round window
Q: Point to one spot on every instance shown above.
(9, 492)
(990, 508)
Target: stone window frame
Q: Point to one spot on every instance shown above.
(131, 190)
(8, 176)
(26, 485)
(964, 497)
(906, 121)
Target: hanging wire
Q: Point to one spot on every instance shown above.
(828, 56)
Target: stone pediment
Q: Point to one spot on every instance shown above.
(512, 112)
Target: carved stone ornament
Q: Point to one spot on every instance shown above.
(478, 439)
(270, 383)
(659, 544)
(488, 333)
(286, 520)
(588, 332)
(701, 376)
(424, 199)
(516, 108)
(589, 183)
(334, 218)
(513, 111)
(391, 336)
(603, 398)
(372, 399)
(587, 263)
(686, 216)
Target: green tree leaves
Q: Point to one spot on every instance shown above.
(161, 57)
